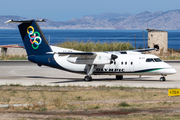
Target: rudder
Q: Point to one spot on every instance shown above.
(33, 38)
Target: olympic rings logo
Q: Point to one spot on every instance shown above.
(34, 37)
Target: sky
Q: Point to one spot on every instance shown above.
(64, 10)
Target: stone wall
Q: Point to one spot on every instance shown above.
(13, 51)
(158, 39)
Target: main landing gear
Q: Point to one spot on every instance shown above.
(87, 78)
(90, 70)
(119, 77)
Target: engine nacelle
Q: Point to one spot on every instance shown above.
(100, 58)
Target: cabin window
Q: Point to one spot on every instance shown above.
(131, 63)
(121, 63)
(125, 63)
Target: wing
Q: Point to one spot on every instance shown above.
(143, 50)
(95, 58)
(77, 53)
(90, 58)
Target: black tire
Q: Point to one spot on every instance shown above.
(119, 77)
(162, 79)
(87, 78)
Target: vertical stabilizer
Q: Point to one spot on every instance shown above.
(33, 38)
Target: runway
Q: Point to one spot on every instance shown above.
(27, 73)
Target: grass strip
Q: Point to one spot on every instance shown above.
(89, 102)
(97, 47)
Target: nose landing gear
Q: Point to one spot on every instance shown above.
(162, 78)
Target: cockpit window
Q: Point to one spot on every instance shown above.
(153, 60)
(149, 60)
(157, 59)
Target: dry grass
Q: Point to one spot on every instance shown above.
(171, 56)
(13, 57)
(96, 47)
(86, 102)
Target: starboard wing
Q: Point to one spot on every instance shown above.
(90, 58)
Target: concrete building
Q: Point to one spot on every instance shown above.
(158, 39)
(12, 50)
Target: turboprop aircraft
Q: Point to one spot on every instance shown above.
(118, 63)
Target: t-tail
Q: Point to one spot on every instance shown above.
(35, 43)
(33, 38)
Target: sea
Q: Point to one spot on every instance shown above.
(56, 36)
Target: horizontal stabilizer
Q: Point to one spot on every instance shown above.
(24, 21)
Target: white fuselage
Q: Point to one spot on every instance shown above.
(129, 63)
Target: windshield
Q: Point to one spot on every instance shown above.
(157, 59)
(153, 60)
(149, 60)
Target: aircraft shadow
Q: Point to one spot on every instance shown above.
(53, 78)
(110, 80)
(127, 79)
(69, 80)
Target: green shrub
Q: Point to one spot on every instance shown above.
(96, 47)
(123, 104)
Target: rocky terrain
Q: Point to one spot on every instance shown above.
(143, 20)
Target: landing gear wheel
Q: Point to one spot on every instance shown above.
(119, 77)
(87, 78)
(162, 79)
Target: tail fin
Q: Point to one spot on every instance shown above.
(33, 38)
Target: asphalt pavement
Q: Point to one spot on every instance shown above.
(27, 73)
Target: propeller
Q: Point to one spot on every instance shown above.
(113, 58)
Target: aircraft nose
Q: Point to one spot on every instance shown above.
(171, 71)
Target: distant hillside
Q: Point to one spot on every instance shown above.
(9, 26)
(156, 20)
(105, 16)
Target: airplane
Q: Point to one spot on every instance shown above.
(118, 63)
